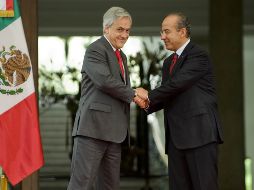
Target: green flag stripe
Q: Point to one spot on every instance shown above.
(4, 21)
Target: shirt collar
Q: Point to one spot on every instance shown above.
(180, 50)
(110, 43)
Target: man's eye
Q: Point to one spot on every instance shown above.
(120, 29)
(165, 32)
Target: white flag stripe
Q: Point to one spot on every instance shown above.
(13, 34)
(3, 5)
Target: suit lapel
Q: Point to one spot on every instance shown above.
(181, 58)
(127, 80)
(113, 56)
(178, 64)
(165, 70)
(118, 66)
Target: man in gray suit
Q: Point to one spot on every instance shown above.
(102, 120)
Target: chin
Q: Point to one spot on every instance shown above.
(120, 46)
(169, 48)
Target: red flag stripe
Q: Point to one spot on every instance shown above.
(21, 150)
(9, 4)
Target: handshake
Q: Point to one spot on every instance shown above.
(141, 98)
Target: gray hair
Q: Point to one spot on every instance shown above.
(112, 14)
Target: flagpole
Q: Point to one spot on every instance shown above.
(3, 181)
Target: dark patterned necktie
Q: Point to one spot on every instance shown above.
(173, 62)
(120, 62)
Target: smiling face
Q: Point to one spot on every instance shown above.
(173, 37)
(118, 32)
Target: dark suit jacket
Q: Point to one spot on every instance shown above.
(189, 100)
(104, 107)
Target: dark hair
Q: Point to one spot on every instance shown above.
(183, 22)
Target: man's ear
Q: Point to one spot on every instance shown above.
(106, 30)
(183, 32)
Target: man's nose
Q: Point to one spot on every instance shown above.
(162, 36)
(125, 34)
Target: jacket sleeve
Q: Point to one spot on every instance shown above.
(154, 108)
(196, 65)
(97, 68)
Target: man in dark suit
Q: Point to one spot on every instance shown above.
(102, 120)
(187, 95)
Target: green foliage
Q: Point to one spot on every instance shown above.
(52, 87)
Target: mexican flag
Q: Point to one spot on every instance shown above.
(20, 143)
(6, 8)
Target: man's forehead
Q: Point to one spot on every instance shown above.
(122, 23)
(169, 22)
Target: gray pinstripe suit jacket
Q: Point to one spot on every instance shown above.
(104, 107)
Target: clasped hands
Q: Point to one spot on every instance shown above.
(141, 98)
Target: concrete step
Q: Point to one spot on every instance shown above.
(56, 171)
(56, 148)
(56, 141)
(63, 162)
(55, 123)
(125, 184)
(57, 155)
(47, 123)
(53, 133)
